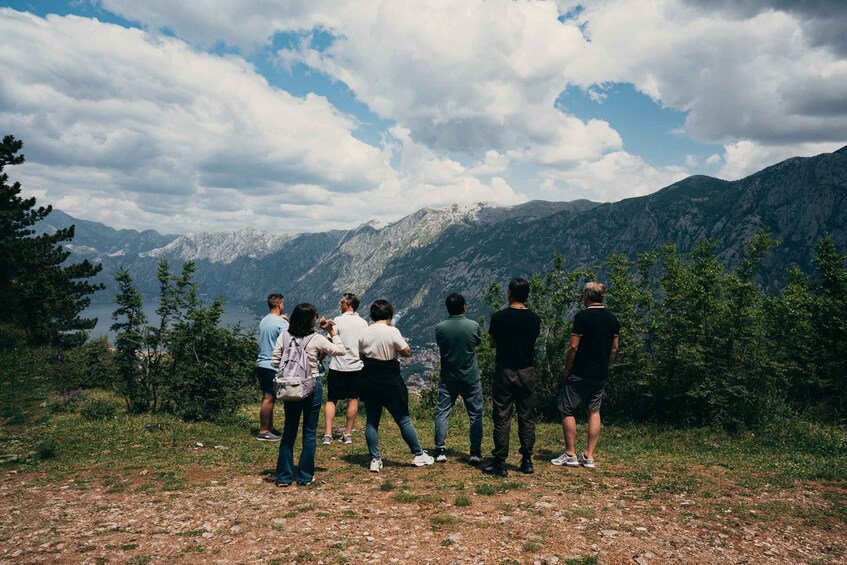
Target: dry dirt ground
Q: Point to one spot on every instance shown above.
(447, 513)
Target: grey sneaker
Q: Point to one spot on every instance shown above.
(346, 439)
(376, 465)
(585, 461)
(423, 459)
(268, 436)
(565, 459)
(327, 440)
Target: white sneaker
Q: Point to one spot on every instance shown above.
(585, 461)
(423, 459)
(567, 460)
(376, 465)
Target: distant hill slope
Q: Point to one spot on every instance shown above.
(418, 260)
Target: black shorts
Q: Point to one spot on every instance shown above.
(266, 379)
(575, 391)
(342, 384)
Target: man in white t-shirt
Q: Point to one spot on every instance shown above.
(345, 371)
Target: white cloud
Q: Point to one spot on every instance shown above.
(746, 157)
(760, 76)
(109, 114)
(613, 177)
(469, 87)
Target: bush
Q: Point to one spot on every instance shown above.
(46, 450)
(188, 364)
(65, 402)
(98, 409)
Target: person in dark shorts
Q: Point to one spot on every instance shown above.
(513, 332)
(269, 329)
(345, 371)
(592, 348)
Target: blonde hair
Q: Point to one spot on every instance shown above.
(595, 291)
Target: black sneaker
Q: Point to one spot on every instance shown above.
(496, 468)
(475, 458)
(526, 466)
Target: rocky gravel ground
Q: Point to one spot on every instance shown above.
(447, 513)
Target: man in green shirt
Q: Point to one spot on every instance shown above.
(457, 338)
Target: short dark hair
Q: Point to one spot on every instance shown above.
(274, 300)
(519, 289)
(455, 304)
(302, 321)
(381, 310)
(351, 299)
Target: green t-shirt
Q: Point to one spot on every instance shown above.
(457, 339)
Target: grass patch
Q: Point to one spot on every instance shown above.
(304, 557)
(485, 489)
(462, 501)
(445, 522)
(488, 489)
(387, 485)
(584, 560)
(406, 496)
(531, 546)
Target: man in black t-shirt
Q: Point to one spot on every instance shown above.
(592, 348)
(513, 332)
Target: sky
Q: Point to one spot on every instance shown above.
(292, 116)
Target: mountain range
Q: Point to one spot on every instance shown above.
(416, 261)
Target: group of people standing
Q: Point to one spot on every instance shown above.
(365, 365)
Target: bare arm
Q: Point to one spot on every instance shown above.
(406, 352)
(573, 346)
(614, 352)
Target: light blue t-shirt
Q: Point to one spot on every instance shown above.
(269, 329)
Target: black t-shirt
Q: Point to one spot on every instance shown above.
(515, 331)
(598, 327)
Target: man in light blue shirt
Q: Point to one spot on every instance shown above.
(269, 329)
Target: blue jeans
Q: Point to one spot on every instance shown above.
(310, 409)
(407, 430)
(471, 394)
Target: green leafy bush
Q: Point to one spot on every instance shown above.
(98, 409)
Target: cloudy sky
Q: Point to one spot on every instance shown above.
(303, 116)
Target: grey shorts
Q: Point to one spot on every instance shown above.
(575, 391)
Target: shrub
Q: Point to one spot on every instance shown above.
(65, 402)
(98, 409)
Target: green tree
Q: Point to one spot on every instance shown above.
(829, 317)
(209, 365)
(555, 296)
(37, 293)
(135, 383)
(632, 386)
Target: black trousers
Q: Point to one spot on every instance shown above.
(514, 389)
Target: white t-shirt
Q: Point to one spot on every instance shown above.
(381, 342)
(349, 326)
